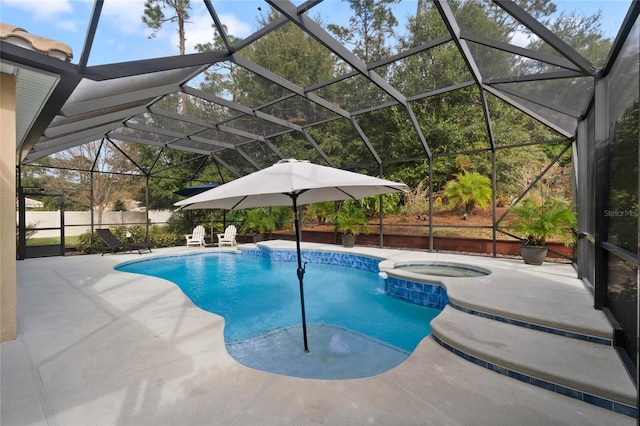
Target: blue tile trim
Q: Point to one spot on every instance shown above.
(520, 323)
(356, 261)
(605, 403)
(424, 294)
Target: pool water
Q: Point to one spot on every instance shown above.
(257, 296)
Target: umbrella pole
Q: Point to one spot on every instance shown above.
(300, 270)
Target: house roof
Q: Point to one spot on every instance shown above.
(21, 37)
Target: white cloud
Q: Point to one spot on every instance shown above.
(61, 18)
(41, 10)
(67, 25)
(200, 30)
(121, 34)
(520, 38)
(235, 27)
(124, 16)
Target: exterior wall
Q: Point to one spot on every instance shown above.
(8, 325)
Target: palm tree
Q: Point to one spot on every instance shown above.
(553, 218)
(470, 189)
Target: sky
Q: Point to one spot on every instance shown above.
(122, 36)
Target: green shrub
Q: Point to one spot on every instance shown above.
(537, 222)
(257, 221)
(138, 233)
(282, 216)
(351, 219)
(162, 236)
(390, 204)
(416, 200)
(468, 190)
(84, 242)
(321, 212)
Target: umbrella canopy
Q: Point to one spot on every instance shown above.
(275, 186)
(194, 190)
(292, 183)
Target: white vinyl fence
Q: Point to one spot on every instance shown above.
(77, 223)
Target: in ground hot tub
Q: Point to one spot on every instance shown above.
(443, 269)
(423, 281)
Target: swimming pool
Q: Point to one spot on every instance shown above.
(257, 296)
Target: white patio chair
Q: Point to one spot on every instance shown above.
(228, 238)
(197, 237)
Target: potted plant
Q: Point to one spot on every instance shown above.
(257, 222)
(539, 222)
(350, 221)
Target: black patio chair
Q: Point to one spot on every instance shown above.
(114, 245)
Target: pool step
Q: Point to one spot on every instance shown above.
(585, 370)
(582, 331)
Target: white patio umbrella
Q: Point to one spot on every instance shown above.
(292, 182)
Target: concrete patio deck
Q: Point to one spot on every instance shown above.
(100, 347)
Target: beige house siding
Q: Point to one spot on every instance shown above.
(8, 162)
(7, 207)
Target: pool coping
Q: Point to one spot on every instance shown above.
(433, 291)
(100, 346)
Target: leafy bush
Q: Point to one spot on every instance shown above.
(119, 206)
(84, 242)
(468, 190)
(30, 230)
(180, 223)
(390, 203)
(282, 216)
(321, 212)
(351, 219)
(162, 236)
(416, 200)
(538, 222)
(138, 233)
(258, 221)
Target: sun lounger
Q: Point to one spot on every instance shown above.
(114, 245)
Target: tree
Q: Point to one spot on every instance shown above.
(468, 190)
(119, 206)
(370, 26)
(166, 177)
(291, 54)
(154, 16)
(218, 79)
(95, 170)
(454, 121)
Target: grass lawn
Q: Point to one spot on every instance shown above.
(69, 241)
